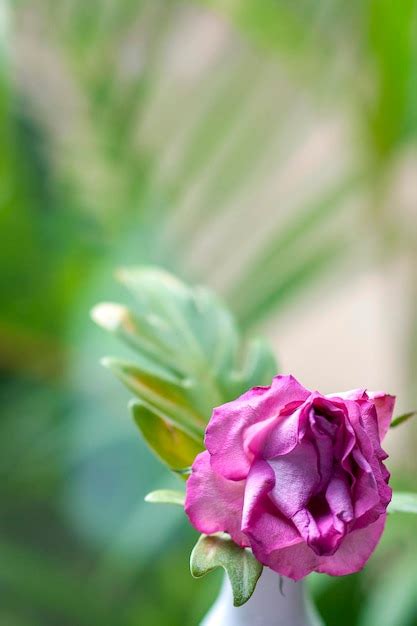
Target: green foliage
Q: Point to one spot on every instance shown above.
(392, 117)
(99, 168)
(165, 496)
(393, 600)
(191, 358)
(243, 570)
(159, 391)
(400, 419)
(403, 502)
(173, 445)
(284, 265)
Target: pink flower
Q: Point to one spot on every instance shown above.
(296, 476)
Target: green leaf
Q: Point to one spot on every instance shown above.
(173, 445)
(140, 333)
(403, 502)
(259, 365)
(402, 418)
(190, 355)
(243, 570)
(166, 496)
(184, 472)
(160, 392)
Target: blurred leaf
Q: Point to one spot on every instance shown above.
(301, 275)
(174, 446)
(393, 56)
(243, 570)
(5, 33)
(49, 586)
(402, 418)
(140, 333)
(295, 255)
(166, 496)
(403, 502)
(192, 357)
(391, 600)
(161, 392)
(260, 365)
(277, 25)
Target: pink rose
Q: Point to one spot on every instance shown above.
(296, 476)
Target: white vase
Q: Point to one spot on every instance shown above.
(267, 607)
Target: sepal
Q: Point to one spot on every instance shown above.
(242, 568)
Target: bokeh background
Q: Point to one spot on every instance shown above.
(266, 148)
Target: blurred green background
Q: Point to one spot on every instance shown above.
(266, 148)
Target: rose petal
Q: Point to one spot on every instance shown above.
(369, 420)
(354, 551)
(384, 404)
(296, 478)
(319, 531)
(352, 394)
(365, 490)
(256, 436)
(299, 560)
(259, 483)
(287, 430)
(294, 561)
(373, 476)
(339, 498)
(323, 437)
(213, 503)
(333, 526)
(226, 430)
(261, 521)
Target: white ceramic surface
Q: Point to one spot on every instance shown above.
(267, 607)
